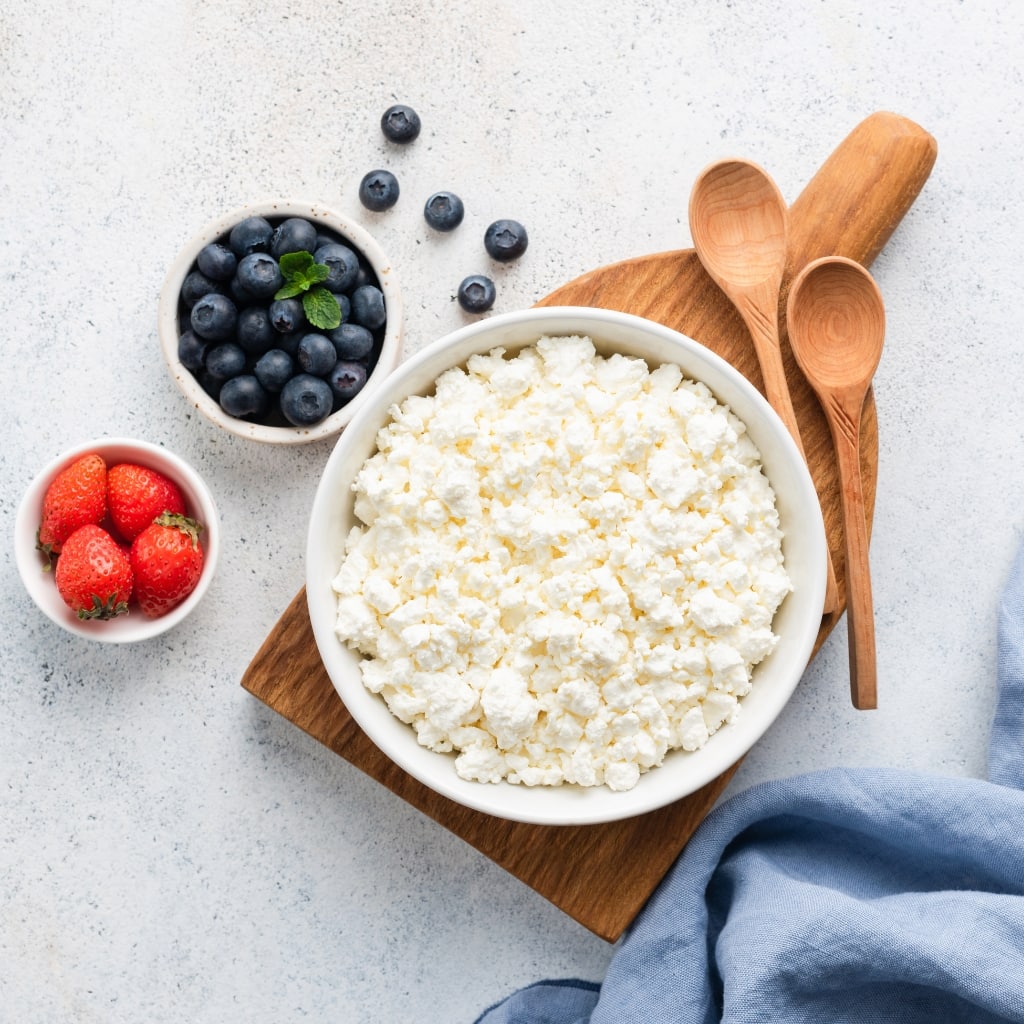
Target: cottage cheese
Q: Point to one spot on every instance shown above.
(566, 566)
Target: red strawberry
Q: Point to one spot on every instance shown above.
(167, 562)
(94, 574)
(77, 495)
(136, 495)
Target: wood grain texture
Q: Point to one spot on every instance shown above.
(601, 875)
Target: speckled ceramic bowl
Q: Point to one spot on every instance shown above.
(39, 582)
(796, 623)
(170, 310)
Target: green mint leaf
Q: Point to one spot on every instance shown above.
(317, 273)
(321, 308)
(290, 290)
(295, 264)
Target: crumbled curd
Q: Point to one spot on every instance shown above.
(567, 565)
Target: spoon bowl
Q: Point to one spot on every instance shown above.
(738, 222)
(739, 225)
(836, 324)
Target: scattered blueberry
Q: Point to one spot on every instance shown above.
(444, 211)
(192, 350)
(316, 354)
(255, 333)
(368, 306)
(400, 123)
(259, 275)
(214, 317)
(287, 315)
(196, 285)
(505, 240)
(295, 234)
(225, 361)
(347, 380)
(306, 400)
(378, 191)
(342, 263)
(243, 396)
(477, 293)
(250, 235)
(217, 262)
(351, 341)
(274, 369)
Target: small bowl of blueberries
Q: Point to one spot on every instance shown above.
(278, 320)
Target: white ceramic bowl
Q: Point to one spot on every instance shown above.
(134, 626)
(168, 330)
(796, 623)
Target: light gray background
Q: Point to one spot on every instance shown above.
(171, 850)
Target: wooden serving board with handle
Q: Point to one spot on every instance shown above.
(601, 875)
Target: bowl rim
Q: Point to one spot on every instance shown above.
(801, 610)
(167, 319)
(133, 627)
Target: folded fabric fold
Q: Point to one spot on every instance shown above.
(841, 895)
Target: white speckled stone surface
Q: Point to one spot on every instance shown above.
(171, 850)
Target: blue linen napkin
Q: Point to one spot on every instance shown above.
(840, 895)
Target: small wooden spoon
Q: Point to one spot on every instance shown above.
(738, 220)
(836, 329)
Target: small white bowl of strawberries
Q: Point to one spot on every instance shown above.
(117, 540)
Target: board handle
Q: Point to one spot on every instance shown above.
(860, 194)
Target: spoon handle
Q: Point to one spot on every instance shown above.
(764, 330)
(844, 421)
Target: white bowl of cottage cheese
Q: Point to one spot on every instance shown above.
(566, 567)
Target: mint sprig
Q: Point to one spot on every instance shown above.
(303, 276)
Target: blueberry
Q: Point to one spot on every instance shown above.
(306, 400)
(347, 380)
(192, 350)
(217, 262)
(210, 384)
(196, 285)
(477, 293)
(274, 369)
(344, 304)
(351, 341)
(225, 361)
(241, 295)
(259, 275)
(287, 315)
(342, 263)
(368, 306)
(254, 332)
(244, 396)
(214, 317)
(316, 354)
(293, 235)
(505, 240)
(365, 275)
(400, 123)
(378, 190)
(249, 236)
(444, 211)
(289, 343)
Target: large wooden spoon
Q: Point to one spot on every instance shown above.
(836, 323)
(738, 221)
